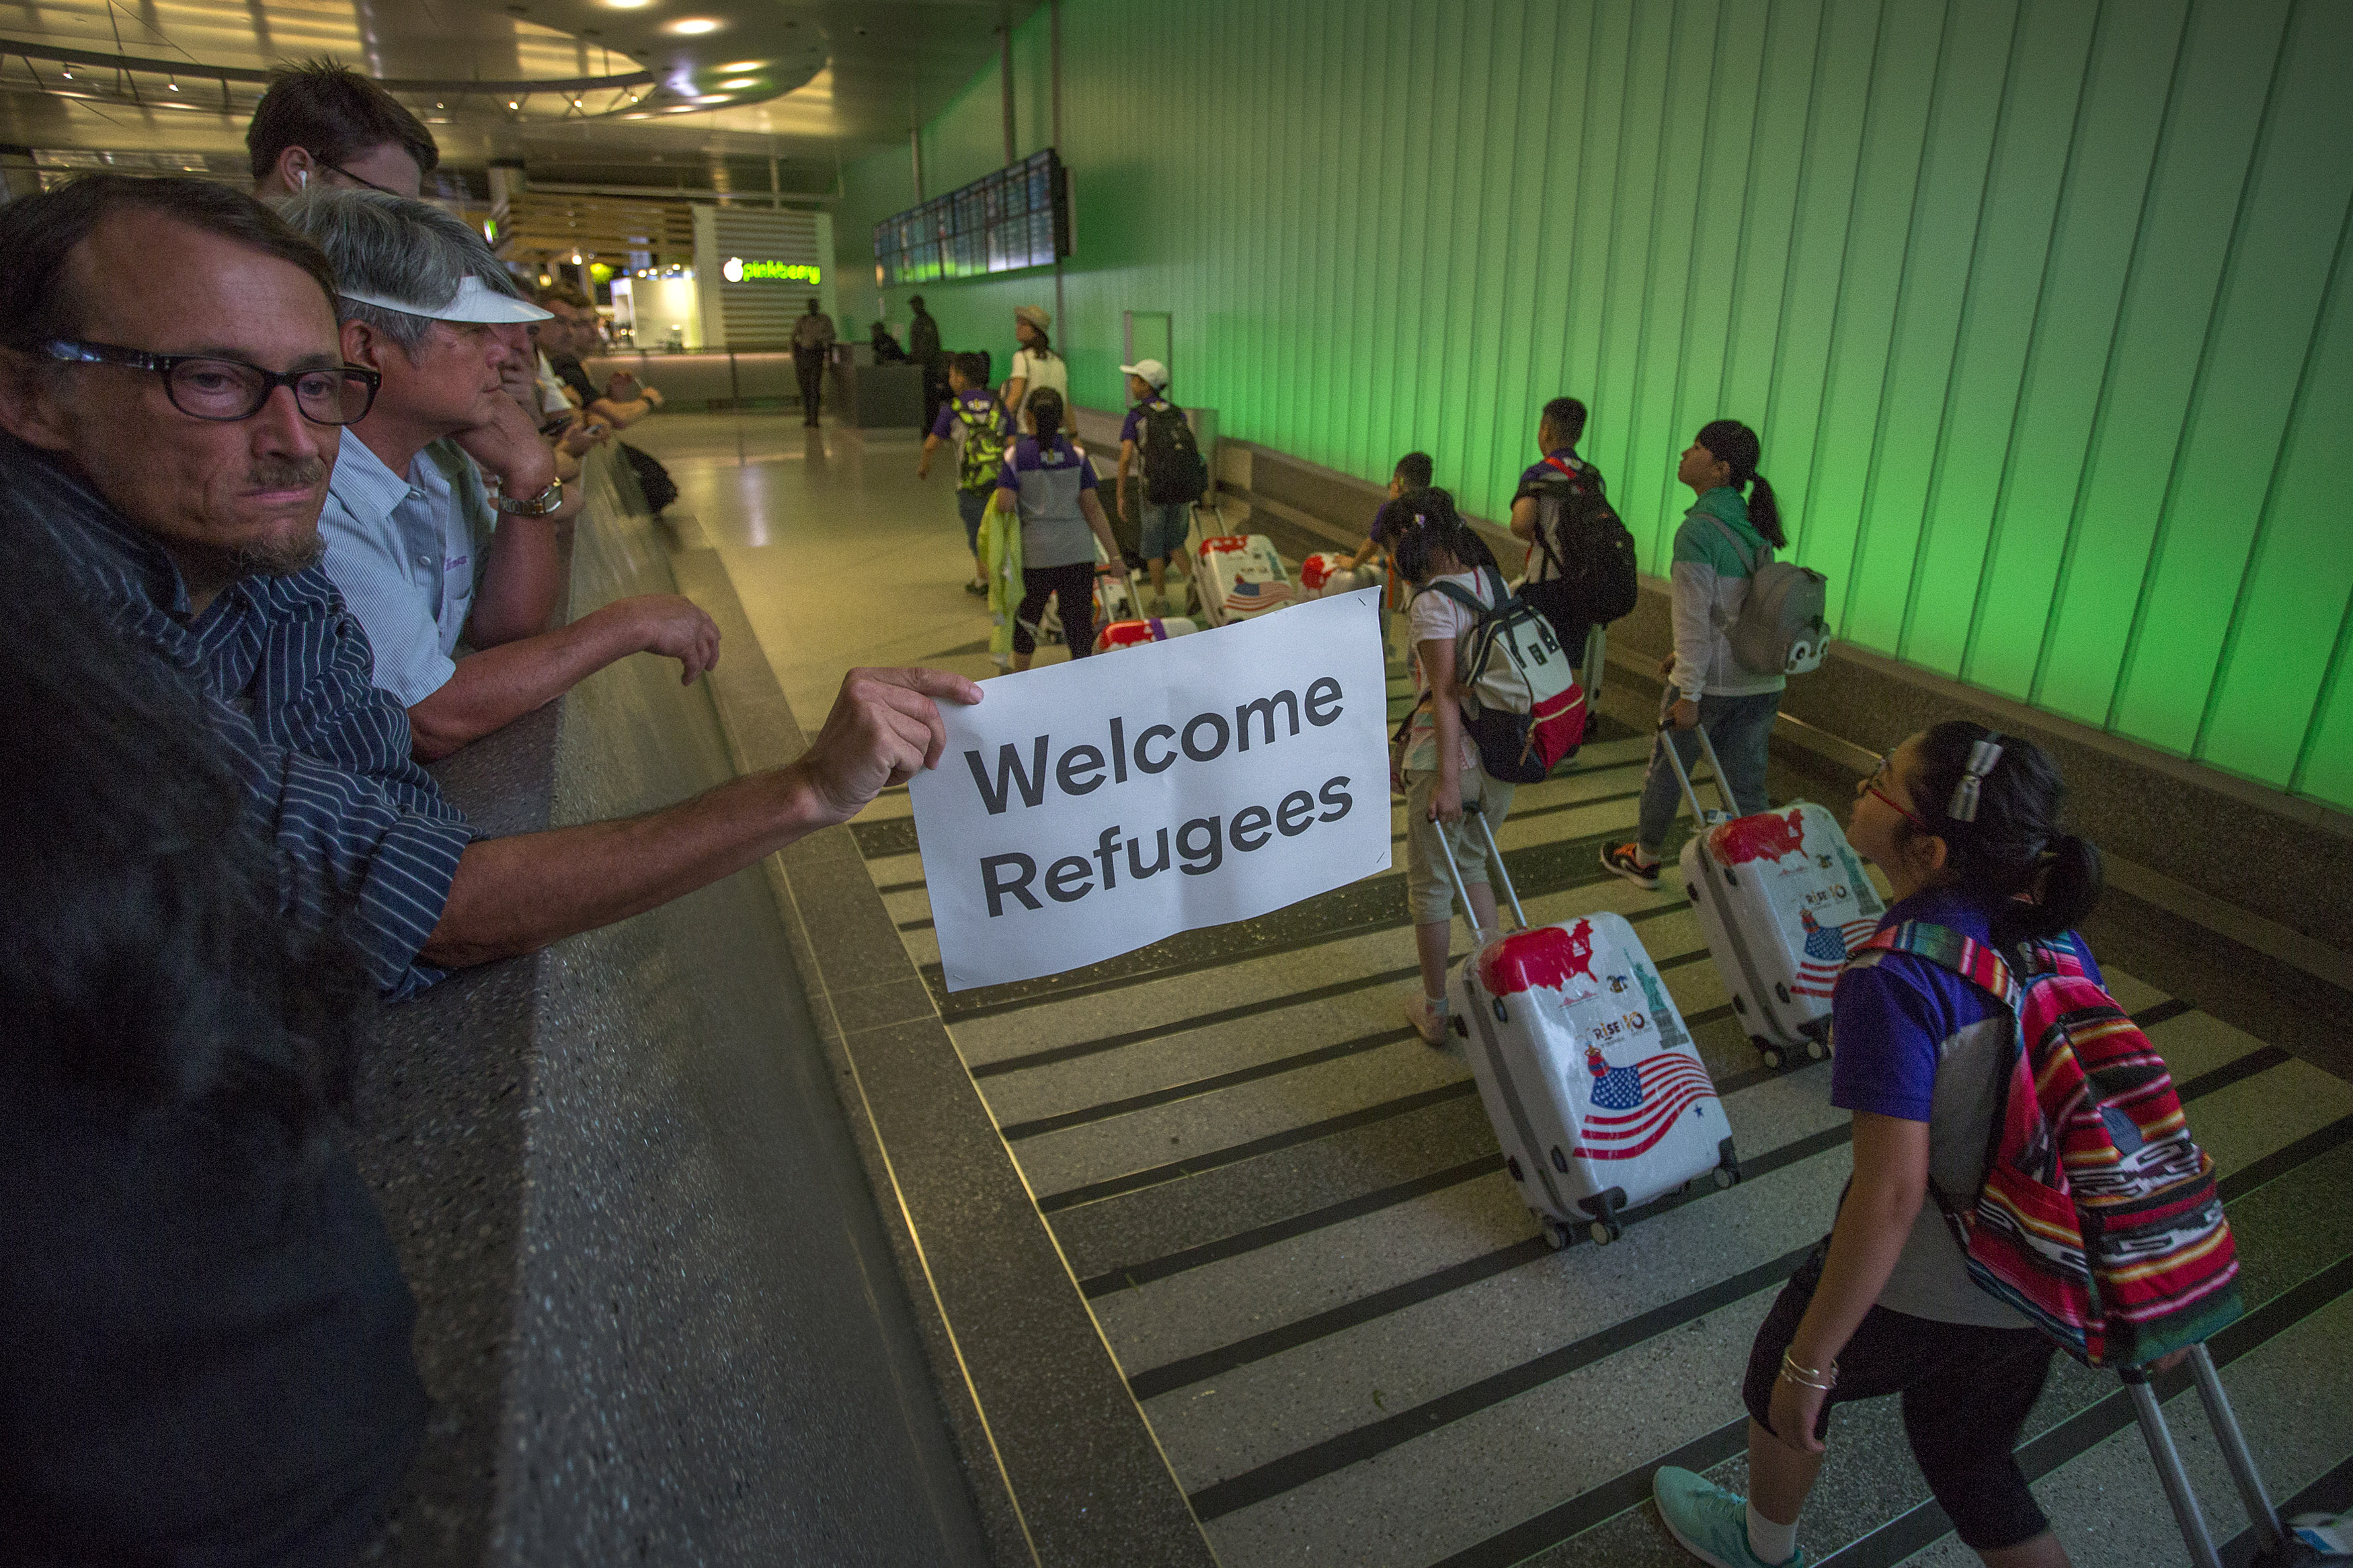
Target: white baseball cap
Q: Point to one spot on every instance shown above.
(1151, 370)
(475, 301)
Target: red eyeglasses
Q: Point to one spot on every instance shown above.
(1870, 785)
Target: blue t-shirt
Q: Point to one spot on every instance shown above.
(1917, 1042)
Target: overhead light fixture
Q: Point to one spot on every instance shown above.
(711, 97)
(746, 66)
(739, 83)
(628, 5)
(693, 26)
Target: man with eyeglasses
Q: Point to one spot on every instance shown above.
(408, 522)
(170, 439)
(323, 126)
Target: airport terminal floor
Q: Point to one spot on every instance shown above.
(1287, 1218)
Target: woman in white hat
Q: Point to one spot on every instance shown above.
(1035, 363)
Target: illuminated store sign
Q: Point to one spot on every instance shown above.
(738, 270)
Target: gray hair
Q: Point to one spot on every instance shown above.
(399, 248)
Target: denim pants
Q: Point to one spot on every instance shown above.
(1739, 728)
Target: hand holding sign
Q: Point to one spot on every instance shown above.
(884, 728)
(1100, 805)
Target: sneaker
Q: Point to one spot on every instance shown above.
(1708, 1521)
(1426, 1020)
(1627, 862)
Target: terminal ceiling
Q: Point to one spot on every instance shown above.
(612, 91)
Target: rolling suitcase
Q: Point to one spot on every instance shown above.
(1238, 576)
(1597, 1093)
(1135, 634)
(1328, 571)
(2275, 1546)
(1781, 899)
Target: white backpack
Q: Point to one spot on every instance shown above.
(1782, 629)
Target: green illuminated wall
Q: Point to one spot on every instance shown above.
(2043, 309)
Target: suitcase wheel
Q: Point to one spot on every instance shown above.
(1604, 1232)
(1724, 1178)
(1766, 1048)
(1556, 1235)
(1816, 1050)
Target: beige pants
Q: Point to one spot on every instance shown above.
(1428, 888)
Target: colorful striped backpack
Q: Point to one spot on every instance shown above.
(2097, 1218)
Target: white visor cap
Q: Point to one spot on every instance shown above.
(474, 301)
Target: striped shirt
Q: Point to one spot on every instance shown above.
(362, 840)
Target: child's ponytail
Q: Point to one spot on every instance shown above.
(1739, 448)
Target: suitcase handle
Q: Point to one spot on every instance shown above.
(1470, 913)
(2271, 1536)
(1683, 775)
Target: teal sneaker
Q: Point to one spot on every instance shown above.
(1708, 1521)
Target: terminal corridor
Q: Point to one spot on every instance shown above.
(1290, 1223)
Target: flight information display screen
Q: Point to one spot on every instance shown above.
(1019, 216)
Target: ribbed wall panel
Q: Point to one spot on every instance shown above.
(2041, 305)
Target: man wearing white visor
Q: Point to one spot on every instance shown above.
(425, 550)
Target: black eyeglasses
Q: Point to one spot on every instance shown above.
(361, 179)
(205, 387)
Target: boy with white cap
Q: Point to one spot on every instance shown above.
(408, 521)
(1161, 529)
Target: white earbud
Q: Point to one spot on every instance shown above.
(301, 179)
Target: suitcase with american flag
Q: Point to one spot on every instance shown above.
(1782, 898)
(1597, 1092)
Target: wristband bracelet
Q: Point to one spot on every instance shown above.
(1822, 1378)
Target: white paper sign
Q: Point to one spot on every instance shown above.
(1085, 809)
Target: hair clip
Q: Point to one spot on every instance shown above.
(1983, 755)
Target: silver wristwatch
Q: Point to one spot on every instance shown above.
(540, 505)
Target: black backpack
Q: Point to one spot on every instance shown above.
(1173, 469)
(1591, 551)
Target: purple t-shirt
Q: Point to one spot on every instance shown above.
(1894, 1015)
(1131, 427)
(1536, 475)
(982, 406)
(1918, 1043)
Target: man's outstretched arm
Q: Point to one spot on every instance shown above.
(516, 895)
(492, 689)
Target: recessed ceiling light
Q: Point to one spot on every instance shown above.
(692, 26)
(628, 5)
(680, 108)
(711, 97)
(737, 84)
(746, 65)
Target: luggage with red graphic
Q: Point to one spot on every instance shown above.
(1135, 634)
(1237, 576)
(1597, 1093)
(1782, 899)
(1328, 571)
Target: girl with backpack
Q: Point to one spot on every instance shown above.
(1965, 822)
(1051, 487)
(1433, 762)
(1708, 686)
